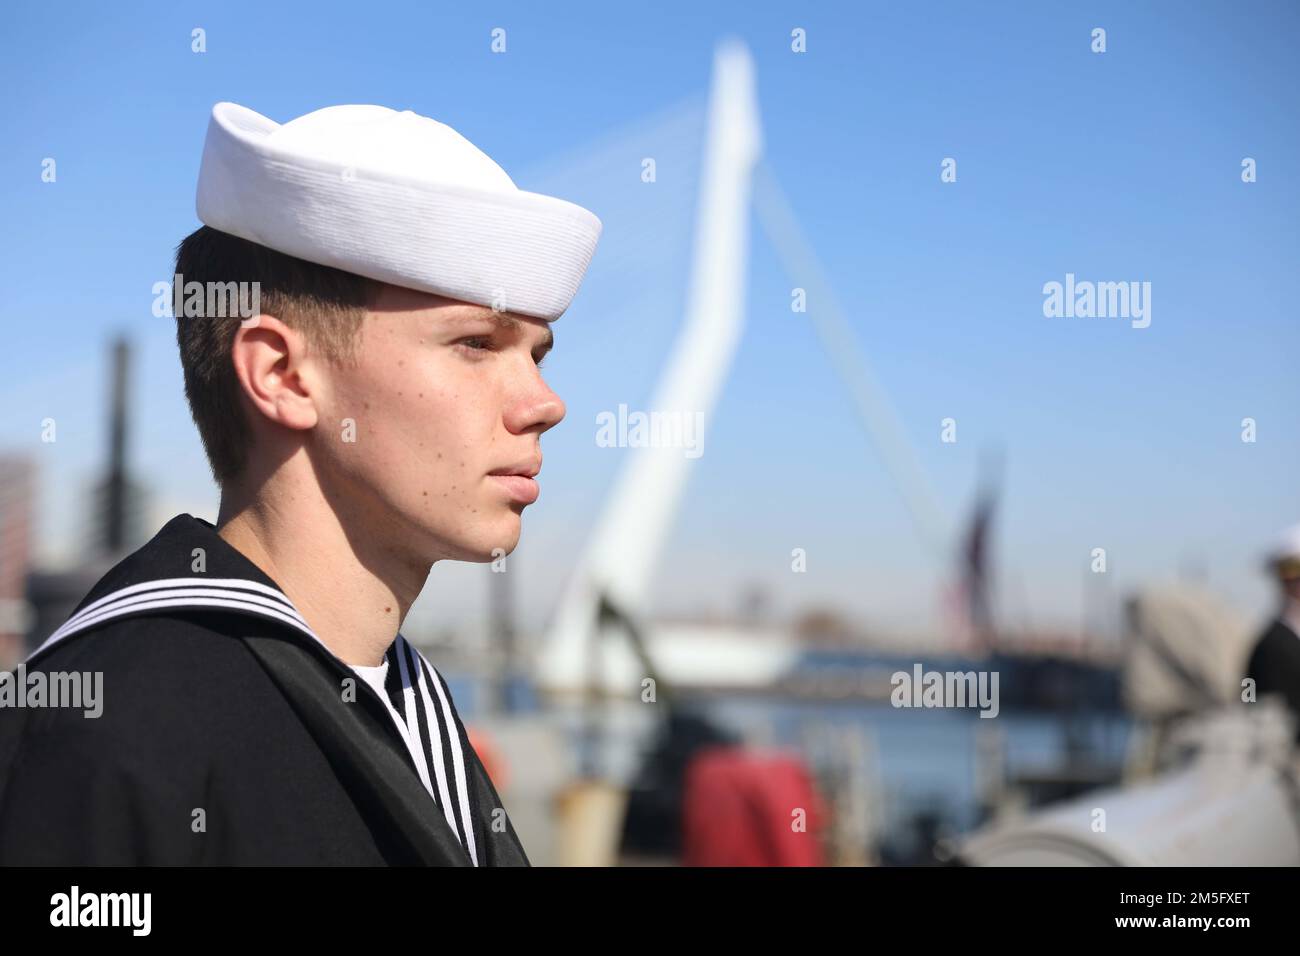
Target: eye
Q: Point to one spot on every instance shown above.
(477, 343)
(485, 343)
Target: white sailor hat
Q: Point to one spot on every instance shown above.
(396, 197)
(1284, 556)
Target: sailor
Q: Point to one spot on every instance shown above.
(381, 412)
(1275, 661)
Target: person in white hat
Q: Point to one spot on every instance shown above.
(1275, 660)
(373, 405)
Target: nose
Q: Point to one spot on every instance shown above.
(538, 409)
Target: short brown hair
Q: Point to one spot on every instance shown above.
(327, 305)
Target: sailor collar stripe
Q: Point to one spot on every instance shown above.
(232, 593)
(410, 677)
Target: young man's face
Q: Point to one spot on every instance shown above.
(446, 397)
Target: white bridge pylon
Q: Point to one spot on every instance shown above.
(624, 550)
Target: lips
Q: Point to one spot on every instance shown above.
(528, 469)
(520, 488)
(519, 480)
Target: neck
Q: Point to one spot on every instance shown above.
(353, 592)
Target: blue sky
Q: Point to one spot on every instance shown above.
(1117, 166)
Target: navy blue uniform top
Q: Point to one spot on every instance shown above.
(230, 734)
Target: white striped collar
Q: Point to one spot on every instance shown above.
(230, 593)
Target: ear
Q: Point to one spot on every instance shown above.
(270, 361)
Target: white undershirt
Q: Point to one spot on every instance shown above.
(374, 676)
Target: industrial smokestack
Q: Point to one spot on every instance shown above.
(504, 640)
(115, 503)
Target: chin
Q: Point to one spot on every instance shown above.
(495, 528)
(494, 543)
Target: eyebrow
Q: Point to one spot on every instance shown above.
(505, 320)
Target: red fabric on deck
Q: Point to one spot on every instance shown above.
(739, 809)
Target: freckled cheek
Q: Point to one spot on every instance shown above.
(442, 426)
(436, 427)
